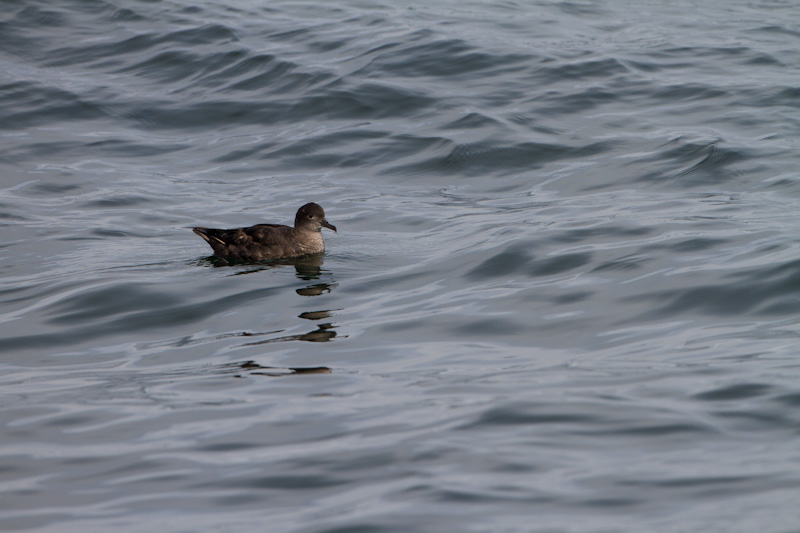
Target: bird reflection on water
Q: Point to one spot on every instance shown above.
(255, 369)
(323, 333)
(307, 268)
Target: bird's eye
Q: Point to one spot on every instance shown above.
(310, 216)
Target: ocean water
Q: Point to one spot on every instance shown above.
(564, 295)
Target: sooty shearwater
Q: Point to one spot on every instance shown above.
(271, 241)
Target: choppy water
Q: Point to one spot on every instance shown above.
(564, 295)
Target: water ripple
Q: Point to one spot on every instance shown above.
(565, 282)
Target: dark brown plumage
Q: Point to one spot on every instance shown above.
(271, 241)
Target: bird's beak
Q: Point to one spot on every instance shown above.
(329, 225)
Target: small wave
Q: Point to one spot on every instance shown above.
(453, 58)
(695, 163)
(35, 104)
(495, 158)
(517, 258)
(119, 52)
(769, 290)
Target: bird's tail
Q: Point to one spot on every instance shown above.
(209, 235)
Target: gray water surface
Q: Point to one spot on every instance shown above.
(564, 294)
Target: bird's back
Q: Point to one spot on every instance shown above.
(261, 242)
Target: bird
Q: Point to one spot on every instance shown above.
(264, 242)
